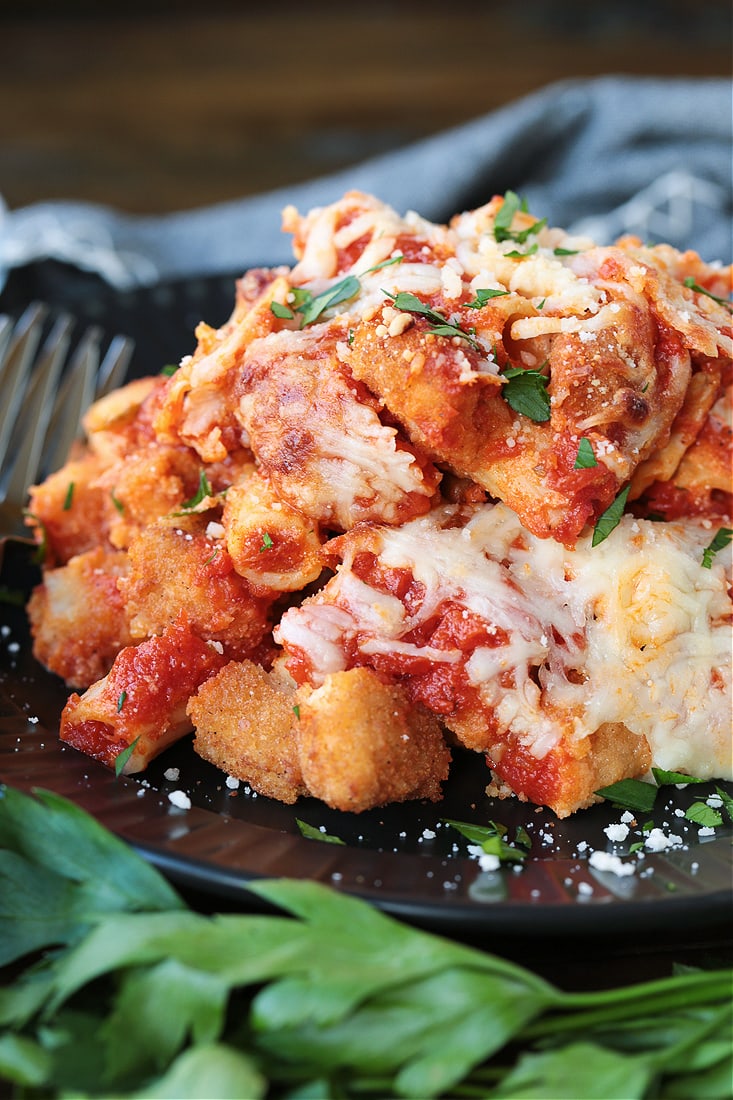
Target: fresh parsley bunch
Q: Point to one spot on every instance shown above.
(116, 989)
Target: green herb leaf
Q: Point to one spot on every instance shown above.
(122, 757)
(122, 697)
(117, 503)
(727, 801)
(311, 309)
(505, 216)
(525, 391)
(565, 251)
(69, 498)
(666, 779)
(267, 542)
(630, 794)
(441, 326)
(692, 285)
(311, 833)
(610, 519)
(284, 313)
(585, 458)
(519, 254)
(483, 296)
(204, 490)
(721, 539)
(385, 263)
(169, 370)
(704, 815)
(492, 839)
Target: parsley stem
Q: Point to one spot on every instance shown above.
(647, 999)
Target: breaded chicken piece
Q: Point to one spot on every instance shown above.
(176, 566)
(69, 511)
(76, 645)
(362, 743)
(245, 725)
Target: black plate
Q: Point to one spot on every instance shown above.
(402, 858)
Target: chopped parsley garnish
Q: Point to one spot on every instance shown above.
(585, 458)
(310, 308)
(311, 833)
(503, 225)
(484, 295)
(707, 817)
(630, 794)
(285, 313)
(677, 779)
(117, 503)
(68, 499)
(692, 285)
(121, 699)
(525, 391)
(204, 490)
(296, 710)
(565, 251)
(122, 757)
(267, 542)
(169, 369)
(719, 542)
(610, 519)
(441, 325)
(492, 838)
(385, 263)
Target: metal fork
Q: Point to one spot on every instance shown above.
(46, 385)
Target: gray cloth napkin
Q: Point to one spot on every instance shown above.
(604, 157)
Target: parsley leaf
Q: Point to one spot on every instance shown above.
(666, 779)
(310, 308)
(284, 313)
(707, 817)
(267, 542)
(122, 757)
(484, 295)
(719, 542)
(492, 838)
(630, 794)
(503, 225)
(525, 391)
(68, 499)
(204, 490)
(441, 326)
(311, 833)
(505, 216)
(610, 519)
(585, 458)
(692, 285)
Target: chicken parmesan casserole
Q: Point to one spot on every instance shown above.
(431, 489)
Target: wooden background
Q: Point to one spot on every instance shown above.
(175, 105)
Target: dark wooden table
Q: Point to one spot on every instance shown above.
(175, 105)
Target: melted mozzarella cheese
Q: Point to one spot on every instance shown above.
(633, 630)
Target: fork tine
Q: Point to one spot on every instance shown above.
(75, 394)
(29, 433)
(19, 345)
(114, 365)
